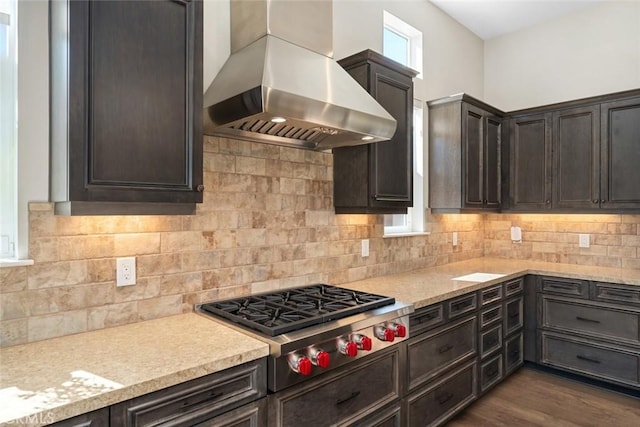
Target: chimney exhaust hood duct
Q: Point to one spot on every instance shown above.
(281, 86)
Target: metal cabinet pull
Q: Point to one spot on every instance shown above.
(353, 395)
(587, 359)
(444, 398)
(445, 348)
(584, 319)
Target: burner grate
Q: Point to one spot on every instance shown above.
(277, 313)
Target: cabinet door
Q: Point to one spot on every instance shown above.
(620, 154)
(530, 186)
(135, 101)
(391, 162)
(472, 155)
(491, 161)
(576, 152)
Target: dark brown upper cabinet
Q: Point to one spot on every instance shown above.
(465, 137)
(530, 162)
(577, 156)
(126, 106)
(378, 178)
(620, 154)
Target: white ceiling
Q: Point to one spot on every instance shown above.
(492, 18)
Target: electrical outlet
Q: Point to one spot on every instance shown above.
(583, 241)
(365, 248)
(125, 271)
(454, 239)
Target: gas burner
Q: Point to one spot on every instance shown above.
(277, 313)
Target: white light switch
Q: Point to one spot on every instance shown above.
(454, 239)
(516, 234)
(584, 241)
(365, 248)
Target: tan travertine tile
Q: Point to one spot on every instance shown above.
(621, 251)
(265, 151)
(219, 163)
(181, 241)
(178, 284)
(200, 260)
(132, 244)
(250, 237)
(56, 325)
(250, 166)
(15, 305)
(112, 315)
(210, 144)
(159, 307)
(44, 249)
(85, 247)
(101, 270)
(292, 154)
(13, 279)
(63, 273)
(153, 265)
(234, 183)
(145, 288)
(13, 332)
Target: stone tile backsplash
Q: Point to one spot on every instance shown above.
(267, 222)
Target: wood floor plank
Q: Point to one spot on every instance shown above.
(531, 398)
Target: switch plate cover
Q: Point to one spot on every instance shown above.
(125, 271)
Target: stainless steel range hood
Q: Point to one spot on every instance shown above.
(281, 86)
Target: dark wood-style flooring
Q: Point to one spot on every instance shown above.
(533, 398)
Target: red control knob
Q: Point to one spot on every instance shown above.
(348, 348)
(384, 334)
(300, 364)
(362, 341)
(323, 359)
(398, 329)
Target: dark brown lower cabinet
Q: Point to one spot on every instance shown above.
(348, 396)
(435, 404)
(99, 418)
(253, 414)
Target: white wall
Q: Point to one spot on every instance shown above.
(453, 55)
(591, 52)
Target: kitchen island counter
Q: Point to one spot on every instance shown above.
(431, 285)
(55, 379)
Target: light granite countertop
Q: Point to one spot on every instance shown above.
(431, 285)
(51, 380)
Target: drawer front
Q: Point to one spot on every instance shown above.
(570, 287)
(489, 295)
(431, 353)
(342, 398)
(252, 414)
(99, 418)
(603, 322)
(462, 305)
(490, 315)
(513, 315)
(196, 400)
(618, 294)
(513, 287)
(602, 361)
(490, 372)
(513, 353)
(490, 341)
(426, 318)
(390, 417)
(438, 403)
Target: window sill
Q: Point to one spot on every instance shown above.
(405, 234)
(9, 262)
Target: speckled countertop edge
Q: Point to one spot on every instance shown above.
(55, 379)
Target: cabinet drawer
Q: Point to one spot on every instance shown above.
(513, 287)
(195, 401)
(490, 341)
(617, 294)
(590, 358)
(464, 304)
(489, 295)
(390, 417)
(490, 315)
(427, 318)
(99, 418)
(513, 316)
(572, 287)
(252, 414)
(342, 398)
(431, 353)
(513, 353)
(490, 372)
(436, 404)
(603, 322)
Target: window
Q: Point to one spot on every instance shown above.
(8, 128)
(403, 44)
